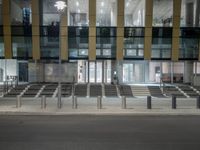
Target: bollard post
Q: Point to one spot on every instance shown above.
(99, 102)
(173, 102)
(148, 102)
(198, 102)
(74, 102)
(18, 102)
(43, 102)
(123, 102)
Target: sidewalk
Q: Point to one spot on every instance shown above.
(110, 106)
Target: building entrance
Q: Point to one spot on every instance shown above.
(94, 71)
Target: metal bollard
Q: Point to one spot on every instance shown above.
(123, 102)
(18, 102)
(74, 102)
(148, 102)
(99, 102)
(198, 102)
(173, 102)
(43, 102)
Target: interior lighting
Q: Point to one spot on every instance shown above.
(102, 4)
(77, 3)
(60, 5)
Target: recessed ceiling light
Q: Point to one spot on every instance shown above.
(102, 4)
(77, 3)
(127, 4)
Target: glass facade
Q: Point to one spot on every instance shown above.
(162, 13)
(49, 42)
(133, 42)
(161, 43)
(49, 16)
(78, 42)
(106, 42)
(106, 13)
(190, 13)
(21, 12)
(134, 13)
(189, 43)
(78, 13)
(22, 47)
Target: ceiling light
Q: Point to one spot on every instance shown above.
(79, 11)
(127, 4)
(102, 4)
(77, 3)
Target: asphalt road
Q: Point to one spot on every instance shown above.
(81, 132)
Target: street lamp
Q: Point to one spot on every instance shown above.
(60, 5)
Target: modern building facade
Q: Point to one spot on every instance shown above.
(131, 41)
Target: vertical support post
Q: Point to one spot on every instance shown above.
(18, 102)
(148, 102)
(123, 102)
(43, 102)
(74, 102)
(173, 102)
(99, 102)
(198, 102)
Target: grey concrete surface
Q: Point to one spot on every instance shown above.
(92, 132)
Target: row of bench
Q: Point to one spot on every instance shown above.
(93, 90)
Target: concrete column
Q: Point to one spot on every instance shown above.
(35, 30)
(92, 30)
(188, 72)
(176, 29)
(148, 29)
(120, 30)
(7, 29)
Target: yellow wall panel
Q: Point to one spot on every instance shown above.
(64, 48)
(120, 7)
(120, 32)
(176, 32)
(175, 49)
(120, 48)
(92, 31)
(148, 32)
(36, 47)
(7, 47)
(92, 48)
(64, 31)
(35, 20)
(7, 30)
(149, 7)
(120, 21)
(147, 48)
(92, 7)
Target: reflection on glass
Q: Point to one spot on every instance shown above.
(49, 47)
(106, 14)
(134, 13)
(22, 47)
(162, 12)
(190, 13)
(21, 12)
(78, 13)
(161, 48)
(189, 48)
(1, 47)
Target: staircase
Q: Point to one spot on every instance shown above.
(95, 90)
(125, 90)
(110, 90)
(139, 91)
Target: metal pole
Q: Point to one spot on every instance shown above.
(18, 102)
(74, 102)
(148, 102)
(43, 102)
(99, 102)
(59, 69)
(198, 102)
(173, 102)
(123, 102)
